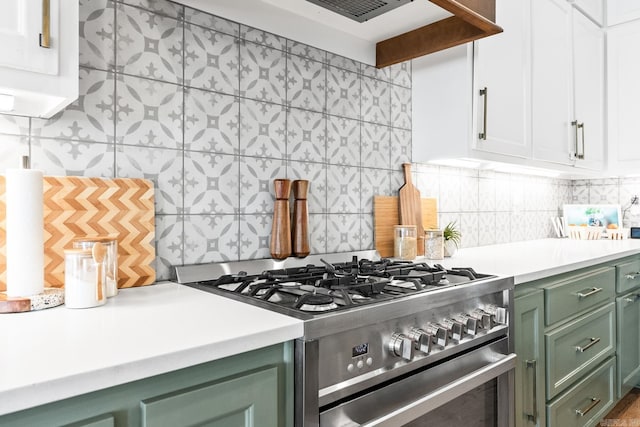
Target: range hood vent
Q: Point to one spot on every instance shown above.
(360, 10)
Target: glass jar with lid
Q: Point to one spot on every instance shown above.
(110, 259)
(433, 244)
(405, 242)
(84, 284)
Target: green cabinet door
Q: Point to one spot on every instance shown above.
(106, 420)
(245, 401)
(628, 344)
(528, 341)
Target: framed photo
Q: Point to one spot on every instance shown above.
(607, 216)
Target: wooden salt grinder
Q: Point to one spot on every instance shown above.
(300, 219)
(281, 228)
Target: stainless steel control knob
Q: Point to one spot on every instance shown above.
(401, 346)
(421, 339)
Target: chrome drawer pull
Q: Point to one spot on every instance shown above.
(593, 404)
(593, 291)
(633, 298)
(533, 416)
(632, 276)
(593, 341)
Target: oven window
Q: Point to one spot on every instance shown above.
(476, 408)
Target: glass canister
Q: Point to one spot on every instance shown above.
(110, 259)
(405, 242)
(84, 279)
(433, 244)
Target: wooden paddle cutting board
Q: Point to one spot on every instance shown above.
(410, 207)
(386, 215)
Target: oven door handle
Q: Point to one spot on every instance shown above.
(442, 395)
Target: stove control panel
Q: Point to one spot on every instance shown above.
(401, 345)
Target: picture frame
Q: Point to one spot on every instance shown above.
(593, 215)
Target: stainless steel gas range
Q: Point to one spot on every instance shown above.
(386, 343)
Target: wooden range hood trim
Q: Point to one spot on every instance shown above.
(466, 25)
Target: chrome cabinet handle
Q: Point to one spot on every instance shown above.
(483, 134)
(592, 341)
(575, 125)
(593, 291)
(594, 402)
(632, 299)
(533, 416)
(581, 127)
(631, 276)
(45, 36)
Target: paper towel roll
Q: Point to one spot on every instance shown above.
(25, 232)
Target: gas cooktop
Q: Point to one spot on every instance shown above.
(325, 284)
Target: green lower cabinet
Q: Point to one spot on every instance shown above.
(585, 403)
(628, 318)
(529, 346)
(250, 389)
(245, 401)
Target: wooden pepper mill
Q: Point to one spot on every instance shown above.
(300, 219)
(281, 228)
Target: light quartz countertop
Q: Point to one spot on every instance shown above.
(537, 259)
(57, 353)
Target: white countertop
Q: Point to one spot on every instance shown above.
(536, 259)
(57, 353)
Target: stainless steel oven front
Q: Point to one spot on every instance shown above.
(445, 359)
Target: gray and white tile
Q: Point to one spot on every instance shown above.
(212, 22)
(90, 117)
(366, 232)
(469, 229)
(400, 107)
(376, 101)
(503, 227)
(604, 194)
(96, 27)
(306, 51)
(149, 113)
(343, 62)
(211, 238)
(262, 129)
(400, 74)
(306, 136)
(343, 232)
(401, 146)
(376, 150)
(306, 83)
(316, 174)
(376, 73)
(262, 73)
(162, 166)
(255, 236)
(487, 228)
(262, 37)
(12, 149)
(212, 122)
(211, 60)
(343, 141)
(579, 194)
(343, 189)
(318, 233)
(163, 7)
(72, 158)
(375, 182)
(14, 125)
(256, 183)
(343, 93)
(487, 198)
(169, 245)
(469, 194)
(149, 45)
(211, 183)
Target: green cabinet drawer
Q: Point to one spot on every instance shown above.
(627, 276)
(586, 402)
(247, 400)
(578, 293)
(106, 420)
(576, 347)
(628, 350)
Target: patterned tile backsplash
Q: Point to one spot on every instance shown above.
(212, 111)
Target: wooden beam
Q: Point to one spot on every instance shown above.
(466, 25)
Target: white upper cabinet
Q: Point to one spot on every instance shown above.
(594, 9)
(619, 11)
(623, 58)
(456, 119)
(567, 86)
(38, 74)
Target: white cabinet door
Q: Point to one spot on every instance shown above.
(623, 58)
(619, 11)
(551, 81)
(588, 58)
(594, 9)
(501, 67)
(20, 27)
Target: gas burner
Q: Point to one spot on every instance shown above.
(316, 302)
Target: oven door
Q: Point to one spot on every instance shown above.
(474, 389)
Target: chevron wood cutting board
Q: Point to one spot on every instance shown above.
(78, 207)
